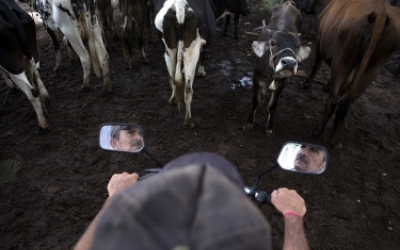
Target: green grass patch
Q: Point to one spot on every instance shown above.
(268, 4)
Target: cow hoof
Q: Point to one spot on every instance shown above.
(201, 71)
(106, 90)
(270, 133)
(85, 87)
(247, 127)
(188, 123)
(41, 131)
(305, 84)
(336, 143)
(172, 100)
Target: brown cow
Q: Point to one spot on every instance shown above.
(278, 52)
(355, 39)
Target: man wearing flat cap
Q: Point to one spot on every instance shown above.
(196, 202)
(126, 138)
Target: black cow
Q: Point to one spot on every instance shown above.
(104, 13)
(278, 52)
(188, 27)
(136, 13)
(227, 22)
(19, 54)
(222, 7)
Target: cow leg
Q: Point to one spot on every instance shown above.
(170, 61)
(227, 22)
(341, 112)
(38, 84)
(318, 59)
(272, 106)
(148, 19)
(190, 58)
(56, 47)
(127, 38)
(7, 79)
(200, 70)
(256, 100)
(103, 58)
(141, 41)
(330, 107)
(22, 82)
(237, 26)
(71, 53)
(74, 38)
(110, 30)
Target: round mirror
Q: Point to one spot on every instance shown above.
(121, 137)
(303, 157)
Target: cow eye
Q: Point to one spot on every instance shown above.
(272, 43)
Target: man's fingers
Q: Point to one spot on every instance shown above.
(134, 177)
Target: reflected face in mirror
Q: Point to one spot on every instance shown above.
(310, 159)
(126, 138)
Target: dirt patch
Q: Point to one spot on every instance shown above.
(61, 183)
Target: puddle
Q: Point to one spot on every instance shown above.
(226, 67)
(246, 82)
(234, 86)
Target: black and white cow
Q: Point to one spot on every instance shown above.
(188, 27)
(278, 53)
(19, 56)
(76, 19)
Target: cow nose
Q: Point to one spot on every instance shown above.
(289, 62)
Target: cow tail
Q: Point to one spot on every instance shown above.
(378, 25)
(180, 8)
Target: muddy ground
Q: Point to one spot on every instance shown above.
(60, 177)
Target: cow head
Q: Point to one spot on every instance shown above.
(237, 6)
(283, 50)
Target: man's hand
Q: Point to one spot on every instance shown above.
(286, 200)
(118, 182)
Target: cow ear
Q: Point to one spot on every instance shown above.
(303, 54)
(259, 48)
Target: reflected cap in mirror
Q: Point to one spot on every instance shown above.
(116, 129)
